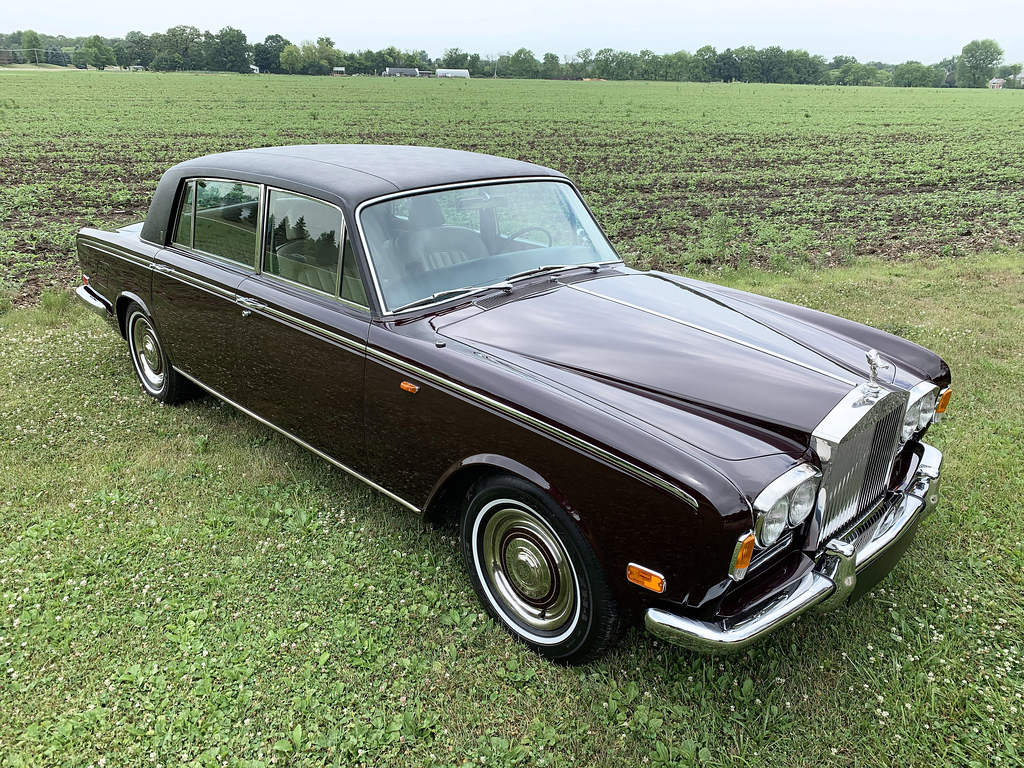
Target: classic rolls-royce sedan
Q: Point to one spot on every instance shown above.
(454, 329)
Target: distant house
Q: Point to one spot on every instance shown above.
(996, 82)
(452, 73)
(401, 72)
(255, 70)
(338, 71)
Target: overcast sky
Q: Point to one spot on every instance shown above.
(871, 30)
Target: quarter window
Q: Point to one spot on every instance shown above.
(183, 229)
(226, 220)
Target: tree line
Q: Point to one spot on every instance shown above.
(186, 48)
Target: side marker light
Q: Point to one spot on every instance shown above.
(408, 386)
(645, 578)
(944, 401)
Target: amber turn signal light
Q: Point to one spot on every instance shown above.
(645, 578)
(408, 386)
(746, 552)
(944, 401)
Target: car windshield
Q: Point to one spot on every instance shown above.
(435, 245)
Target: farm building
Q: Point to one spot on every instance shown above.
(401, 72)
(453, 73)
(996, 82)
(338, 71)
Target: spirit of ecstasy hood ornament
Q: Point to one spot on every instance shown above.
(877, 364)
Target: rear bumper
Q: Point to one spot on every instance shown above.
(843, 571)
(94, 301)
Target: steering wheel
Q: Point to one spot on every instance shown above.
(524, 230)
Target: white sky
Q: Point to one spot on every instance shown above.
(871, 30)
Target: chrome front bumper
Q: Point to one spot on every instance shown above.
(828, 585)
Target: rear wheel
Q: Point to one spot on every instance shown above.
(158, 378)
(535, 572)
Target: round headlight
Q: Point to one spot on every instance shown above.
(771, 524)
(801, 502)
(910, 421)
(927, 410)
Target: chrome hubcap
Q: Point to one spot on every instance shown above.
(149, 358)
(528, 568)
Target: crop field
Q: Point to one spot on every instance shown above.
(680, 174)
(182, 586)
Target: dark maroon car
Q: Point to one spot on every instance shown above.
(455, 330)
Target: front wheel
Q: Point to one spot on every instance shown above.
(150, 361)
(535, 572)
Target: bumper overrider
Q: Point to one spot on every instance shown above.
(843, 571)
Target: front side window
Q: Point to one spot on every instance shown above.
(431, 245)
(226, 220)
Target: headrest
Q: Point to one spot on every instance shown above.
(425, 212)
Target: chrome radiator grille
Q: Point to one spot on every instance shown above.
(855, 478)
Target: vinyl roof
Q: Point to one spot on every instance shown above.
(345, 174)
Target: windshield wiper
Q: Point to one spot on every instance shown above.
(504, 285)
(594, 265)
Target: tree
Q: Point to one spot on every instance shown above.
(455, 58)
(551, 67)
(914, 74)
(32, 46)
(228, 51)
(523, 64)
(267, 55)
(180, 46)
(291, 58)
(139, 48)
(977, 63)
(702, 65)
(96, 53)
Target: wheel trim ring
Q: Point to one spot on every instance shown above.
(500, 601)
(146, 353)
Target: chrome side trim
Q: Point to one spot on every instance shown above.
(111, 250)
(826, 587)
(304, 444)
(716, 334)
(549, 429)
(198, 283)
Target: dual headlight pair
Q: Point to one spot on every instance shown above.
(924, 400)
(785, 503)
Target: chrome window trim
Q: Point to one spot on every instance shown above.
(385, 312)
(305, 445)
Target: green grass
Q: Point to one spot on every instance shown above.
(183, 586)
(680, 174)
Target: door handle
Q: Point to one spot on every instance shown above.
(248, 303)
(163, 268)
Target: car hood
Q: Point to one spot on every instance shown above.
(647, 345)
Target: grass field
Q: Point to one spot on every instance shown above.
(678, 173)
(183, 586)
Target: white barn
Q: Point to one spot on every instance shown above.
(452, 73)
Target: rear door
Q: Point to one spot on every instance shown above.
(195, 280)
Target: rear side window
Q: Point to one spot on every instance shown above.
(226, 220)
